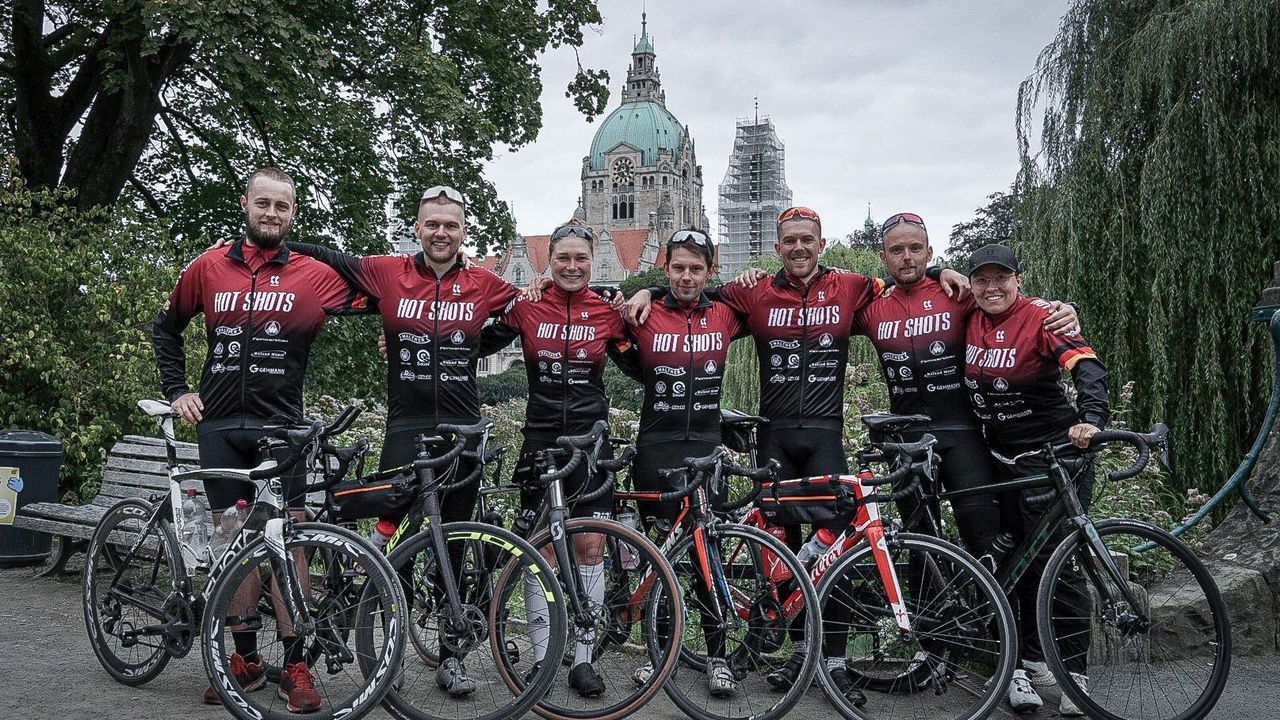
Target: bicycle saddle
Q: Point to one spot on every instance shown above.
(892, 424)
(156, 408)
(733, 418)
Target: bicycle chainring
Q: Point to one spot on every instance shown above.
(180, 622)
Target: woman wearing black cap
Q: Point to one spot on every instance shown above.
(1013, 371)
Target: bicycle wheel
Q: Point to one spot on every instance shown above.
(635, 593)
(1164, 656)
(129, 575)
(350, 645)
(748, 633)
(960, 655)
(492, 629)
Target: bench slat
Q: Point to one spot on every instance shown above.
(152, 452)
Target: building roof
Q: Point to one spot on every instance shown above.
(645, 125)
(488, 262)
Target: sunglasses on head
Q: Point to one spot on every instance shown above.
(798, 213)
(911, 218)
(565, 231)
(436, 191)
(690, 236)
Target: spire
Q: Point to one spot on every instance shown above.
(869, 226)
(643, 81)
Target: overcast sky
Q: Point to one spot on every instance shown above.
(906, 104)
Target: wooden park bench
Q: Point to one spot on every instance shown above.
(135, 468)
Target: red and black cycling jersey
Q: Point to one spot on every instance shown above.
(432, 325)
(262, 309)
(564, 339)
(1013, 371)
(681, 351)
(802, 340)
(919, 334)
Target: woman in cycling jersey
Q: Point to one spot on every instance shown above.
(1013, 372)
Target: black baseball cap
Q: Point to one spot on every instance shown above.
(993, 255)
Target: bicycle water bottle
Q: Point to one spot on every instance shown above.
(381, 534)
(627, 554)
(228, 527)
(774, 568)
(818, 544)
(195, 531)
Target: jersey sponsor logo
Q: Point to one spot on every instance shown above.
(273, 328)
(786, 317)
(457, 289)
(423, 357)
(669, 342)
(405, 354)
(776, 360)
(233, 349)
(275, 281)
(778, 379)
(677, 388)
(822, 378)
(217, 368)
(415, 339)
(669, 370)
(228, 330)
(706, 406)
(542, 365)
(895, 357)
(272, 354)
(824, 364)
(979, 400)
(218, 349)
(904, 372)
(897, 390)
(784, 344)
(937, 347)
(942, 371)
(661, 406)
(583, 315)
(707, 391)
(549, 354)
(928, 304)
(582, 354)
(1013, 416)
(825, 340)
(660, 387)
(406, 375)
(890, 372)
(556, 331)
(556, 368)
(793, 361)
(702, 322)
(999, 336)
(1001, 384)
(258, 369)
(457, 337)
(460, 362)
(710, 367)
(578, 381)
(991, 357)
(938, 388)
(971, 384)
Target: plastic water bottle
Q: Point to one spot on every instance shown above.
(818, 544)
(626, 553)
(195, 530)
(381, 534)
(228, 527)
(774, 568)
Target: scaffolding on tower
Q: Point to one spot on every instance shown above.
(753, 193)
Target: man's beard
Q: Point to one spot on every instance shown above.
(267, 241)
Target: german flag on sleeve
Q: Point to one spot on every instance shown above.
(1070, 351)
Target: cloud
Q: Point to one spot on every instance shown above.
(906, 105)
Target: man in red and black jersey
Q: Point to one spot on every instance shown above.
(433, 307)
(1013, 371)
(918, 330)
(679, 357)
(263, 306)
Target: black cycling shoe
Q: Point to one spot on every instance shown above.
(533, 673)
(784, 677)
(584, 679)
(844, 683)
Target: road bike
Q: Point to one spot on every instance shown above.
(1130, 621)
(143, 602)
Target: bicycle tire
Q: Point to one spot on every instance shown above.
(105, 617)
(739, 549)
(1174, 642)
(353, 679)
(616, 627)
(962, 651)
(415, 696)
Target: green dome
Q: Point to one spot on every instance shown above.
(643, 124)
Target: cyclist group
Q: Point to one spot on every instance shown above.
(983, 365)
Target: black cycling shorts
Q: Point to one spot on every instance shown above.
(239, 448)
(804, 452)
(644, 475)
(574, 485)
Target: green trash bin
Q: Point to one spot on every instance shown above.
(30, 463)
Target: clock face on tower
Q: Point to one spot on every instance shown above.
(623, 173)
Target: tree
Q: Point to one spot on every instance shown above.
(990, 225)
(649, 278)
(1153, 202)
(365, 103)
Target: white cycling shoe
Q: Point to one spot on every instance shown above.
(1023, 698)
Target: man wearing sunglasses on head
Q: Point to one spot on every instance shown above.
(433, 306)
(679, 357)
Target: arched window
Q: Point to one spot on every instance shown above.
(518, 276)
